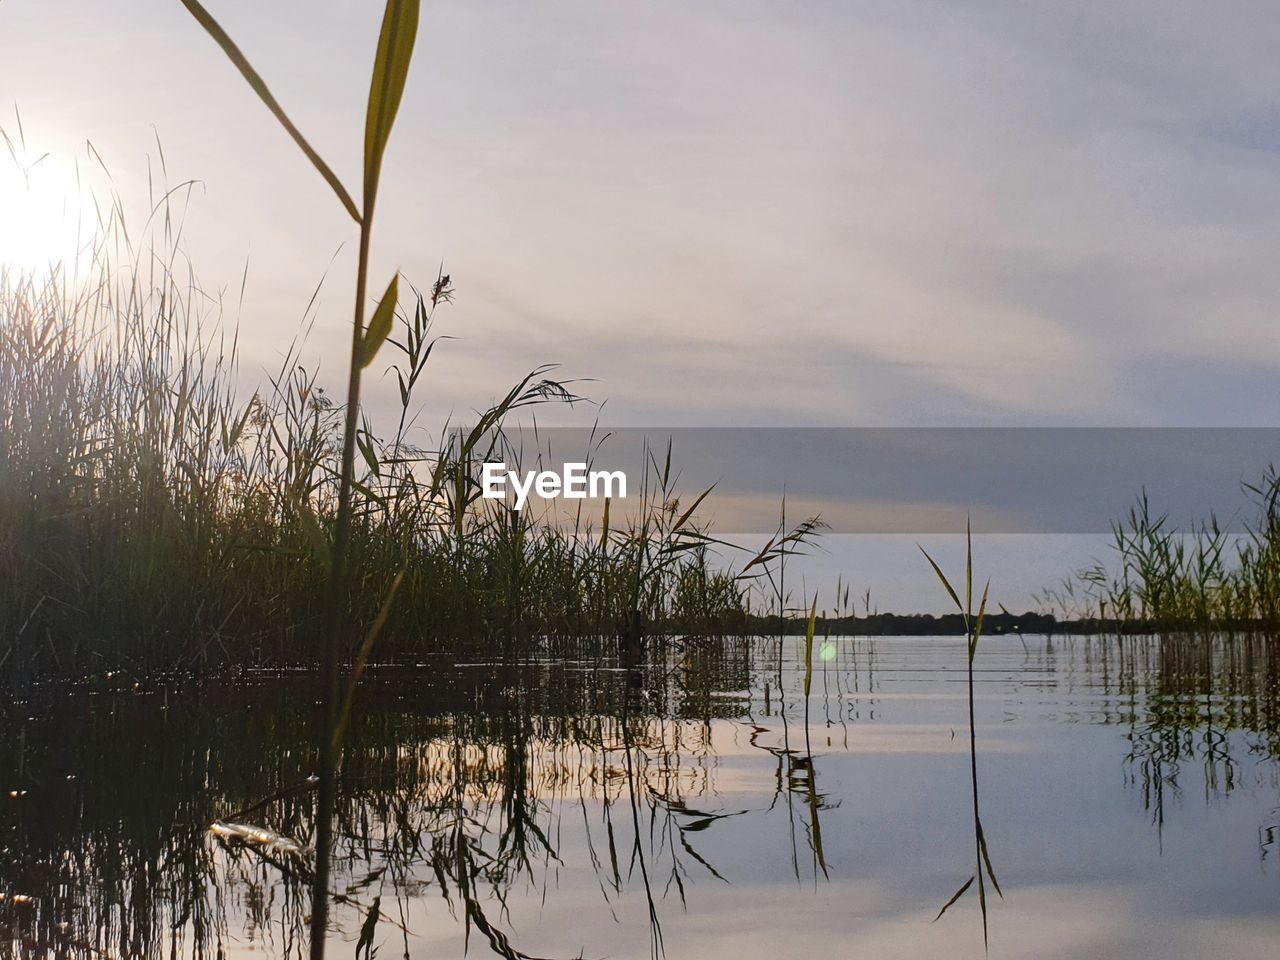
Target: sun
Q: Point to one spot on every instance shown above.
(46, 221)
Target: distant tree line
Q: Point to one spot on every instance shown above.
(909, 624)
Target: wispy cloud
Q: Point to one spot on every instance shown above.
(749, 212)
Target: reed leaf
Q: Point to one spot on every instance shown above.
(954, 897)
(808, 645)
(241, 63)
(319, 540)
(943, 577)
(986, 860)
(380, 325)
(390, 71)
(977, 626)
(684, 517)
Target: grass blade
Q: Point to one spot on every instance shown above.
(977, 626)
(234, 54)
(390, 70)
(986, 859)
(954, 897)
(692, 507)
(380, 326)
(943, 577)
(808, 645)
(315, 534)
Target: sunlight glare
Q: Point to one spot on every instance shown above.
(45, 218)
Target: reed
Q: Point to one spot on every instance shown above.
(1194, 580)
(157, 515)
(153, 519)
(973, 624)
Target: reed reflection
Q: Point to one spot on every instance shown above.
(470, 800)
(462, 803)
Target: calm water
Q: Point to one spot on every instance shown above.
(1129, 796)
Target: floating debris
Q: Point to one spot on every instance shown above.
(257, 837)
(17, 899)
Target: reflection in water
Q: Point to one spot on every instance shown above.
(697, 807)
(1214, 704)
(982, 869)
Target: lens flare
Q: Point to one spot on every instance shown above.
(46, 221)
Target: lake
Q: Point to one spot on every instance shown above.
(699, 807)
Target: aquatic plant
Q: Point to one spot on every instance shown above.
(158, 514)
(386, 89)
(983, 870)
(1200, 579)
(153, 519)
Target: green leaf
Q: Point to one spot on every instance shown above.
(214, 29)
(390, 70)
(380, 326)
(941, 576)
(315, 534)
(237, 429)
(977, 629)
(808, 645)
(954, 897)
(364, 442)
(369, 494)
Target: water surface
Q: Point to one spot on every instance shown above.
(1129, 797)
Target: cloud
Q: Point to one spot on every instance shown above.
(964, 212)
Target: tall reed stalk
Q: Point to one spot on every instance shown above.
(973, 631)
(390, 71)
(154, 520)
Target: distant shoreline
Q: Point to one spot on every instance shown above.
(997, 624)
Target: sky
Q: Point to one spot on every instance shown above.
(731, 213)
